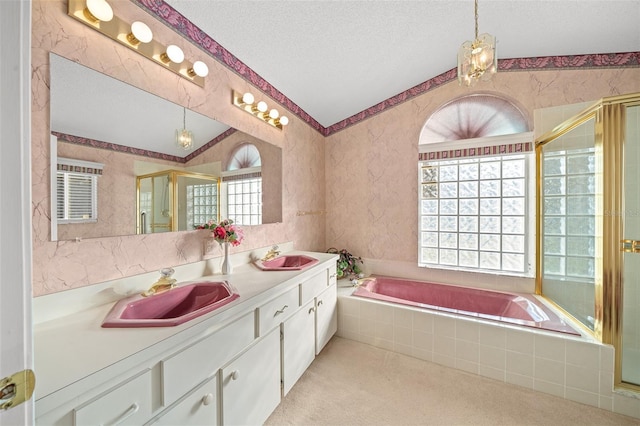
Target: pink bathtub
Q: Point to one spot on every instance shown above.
(514, 308)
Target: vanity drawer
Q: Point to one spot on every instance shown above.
(277, 310)
(200, 407)
(128, 403)
(184, 370)
(313, 286)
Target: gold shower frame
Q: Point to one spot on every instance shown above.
(609, 116)
(173, 205)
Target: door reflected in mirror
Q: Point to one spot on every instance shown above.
(95, 118)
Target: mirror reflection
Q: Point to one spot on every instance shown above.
(119, 166)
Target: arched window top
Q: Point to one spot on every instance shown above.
(474, 116)
(244, 156)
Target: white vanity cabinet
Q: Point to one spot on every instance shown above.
(308, 330)
(298, 345)
(230, 369)
(326, 316)
(251, 383)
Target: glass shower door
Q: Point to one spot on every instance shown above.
(568, 226)
(631, 248)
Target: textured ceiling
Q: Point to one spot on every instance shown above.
(336, 58)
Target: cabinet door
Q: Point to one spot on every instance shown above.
(326, 316)
(251, 383)
(298, 345)
(199, 407)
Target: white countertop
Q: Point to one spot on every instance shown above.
(70, 348)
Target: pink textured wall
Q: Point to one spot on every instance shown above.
(372, 204)
(366, 173)
(63, 265)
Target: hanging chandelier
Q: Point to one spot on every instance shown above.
(477, 59)
(184, 137)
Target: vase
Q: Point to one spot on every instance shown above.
(227, 267)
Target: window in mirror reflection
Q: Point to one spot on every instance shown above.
(77, 191)
(242, 184)
(202, 203)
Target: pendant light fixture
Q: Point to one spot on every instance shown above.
(477, 59)
(184, 137)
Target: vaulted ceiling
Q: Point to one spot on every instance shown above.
(336, 58)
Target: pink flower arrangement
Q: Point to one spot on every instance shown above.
(224, 232)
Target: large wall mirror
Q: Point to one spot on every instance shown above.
(117, 168)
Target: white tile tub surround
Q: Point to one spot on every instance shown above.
(576, 368)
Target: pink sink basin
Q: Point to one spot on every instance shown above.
(287, 263)
(172, 307)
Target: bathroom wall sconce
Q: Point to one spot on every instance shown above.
(246, 101)
(98, 14)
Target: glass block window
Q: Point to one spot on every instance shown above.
(474, 214)
(244, 200)
(569, 214)
(202, 203)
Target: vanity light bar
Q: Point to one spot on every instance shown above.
(138, 36)
(260, 110)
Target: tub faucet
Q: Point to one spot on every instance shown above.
(271, 254)
(164, 283)
(357, 282)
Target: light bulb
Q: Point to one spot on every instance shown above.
(173, 54)
(140, 33)
(199, 68)
(283, 120)
(99, 10)
(274, 113)
(248, 98)
(262, 106)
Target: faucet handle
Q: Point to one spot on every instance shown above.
(167, 272)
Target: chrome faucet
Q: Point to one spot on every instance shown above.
(271, 254)
(164, 283)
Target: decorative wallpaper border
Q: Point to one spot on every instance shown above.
(79, 140)
(511, 148)
(79, 169)
(182, 25)
(232, 178)
(222, 136)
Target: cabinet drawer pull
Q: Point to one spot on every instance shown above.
(311, 309)
(319, 302)
(130, 412)
(280, 311)
(235, 374)
(207, 399)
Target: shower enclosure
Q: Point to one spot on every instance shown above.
(174, 200)
(588, 225)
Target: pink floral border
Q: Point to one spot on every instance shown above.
(222, 136)
(182, 25)
(79, 140)
(512, 148)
